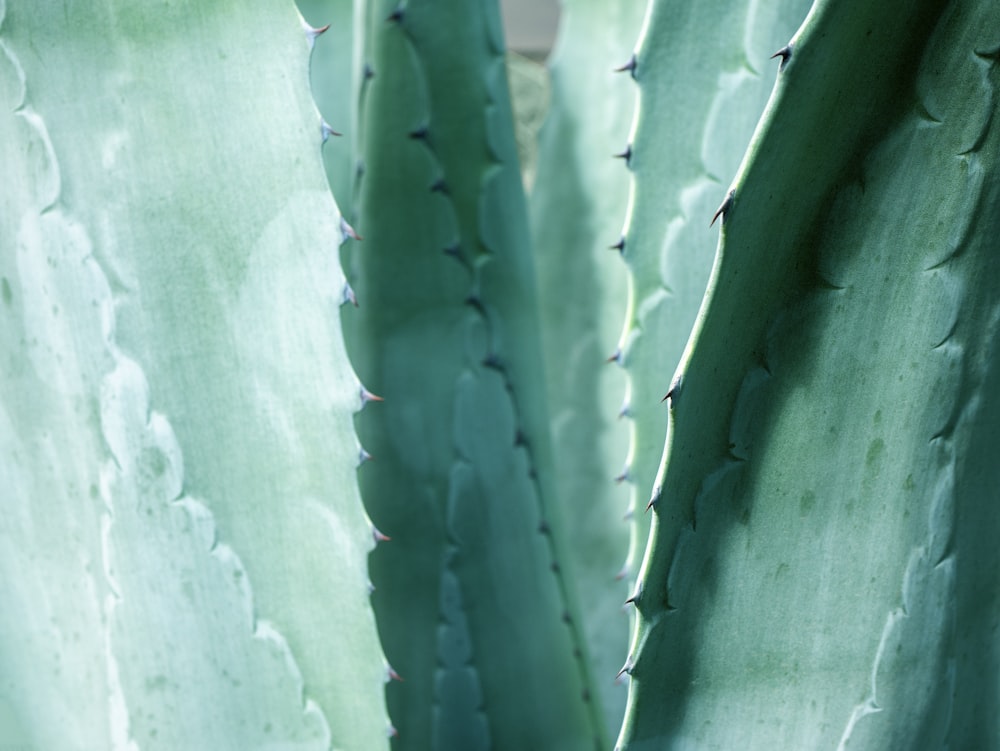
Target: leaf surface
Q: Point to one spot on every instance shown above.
(818, 574)
(184, 548)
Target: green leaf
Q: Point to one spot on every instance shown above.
(336, 81)
(577, 203)
(822, 571)
(473, 594)
(720, 84)
(703, 78)
(183, 547)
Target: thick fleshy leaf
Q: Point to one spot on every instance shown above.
(473, 596)
(183, 557)
(703, 76)
(335, 79)
(577, 202)
(822, 572)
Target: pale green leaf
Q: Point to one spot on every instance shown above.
(183, 548)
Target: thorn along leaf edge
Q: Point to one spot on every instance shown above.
(723, 208)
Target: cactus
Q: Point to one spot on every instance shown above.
(183, 547)
(822, 513)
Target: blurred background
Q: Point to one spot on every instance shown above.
(530, 27)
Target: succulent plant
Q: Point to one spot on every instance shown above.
(184, 552)
(818, 575)
(215, 397)
(577, 201)
(473, 597)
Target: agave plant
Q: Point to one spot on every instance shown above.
(212, 386)
(184, 558)
(817, 563)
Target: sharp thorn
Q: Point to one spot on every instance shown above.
(785, 53)
(629, 66)
(312, 33)
(368, 396)
(619, 246)
(327, 131)
(675, 389)
(347, 231)
(654, 497)
(626, 668)
(379, 537)
(626, 155)
(723, 208)
(634, 597)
